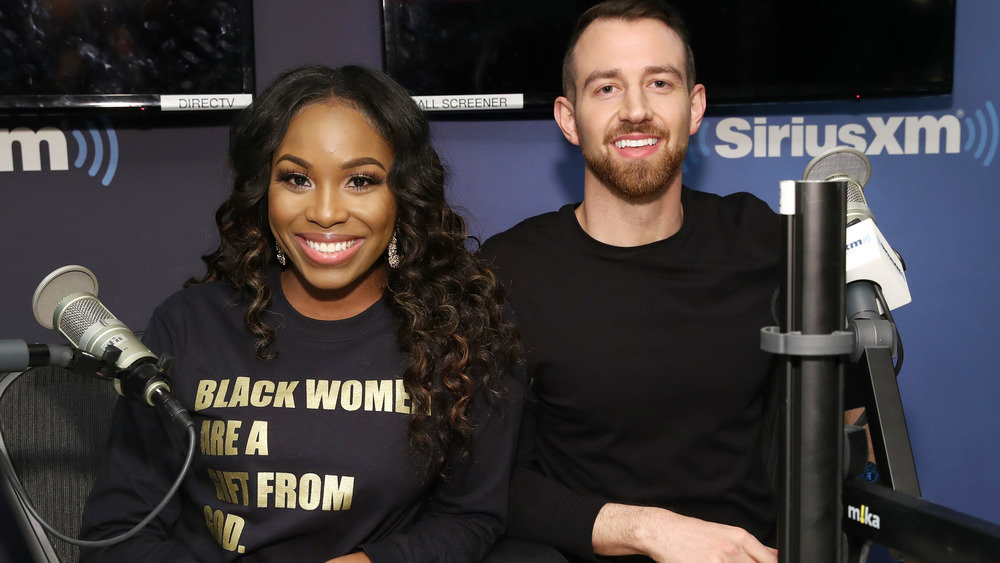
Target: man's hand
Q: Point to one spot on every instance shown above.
(668, 537)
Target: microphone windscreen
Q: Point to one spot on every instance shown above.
(840, 163)
(844, 164)
(56, 286)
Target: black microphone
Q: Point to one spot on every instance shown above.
(66, 300)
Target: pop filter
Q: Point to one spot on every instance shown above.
(849, 165)
(57, 286)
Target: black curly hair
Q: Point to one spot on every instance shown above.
(448, 307)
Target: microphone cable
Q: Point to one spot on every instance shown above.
(23, 497)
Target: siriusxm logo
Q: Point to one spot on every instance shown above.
(865, 239)
(100, 150)
(984, 133)
(763, 137)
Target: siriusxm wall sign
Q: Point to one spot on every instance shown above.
(93, 148)
(977, 134)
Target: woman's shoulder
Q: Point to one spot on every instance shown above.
(200, 293)
(202, 300)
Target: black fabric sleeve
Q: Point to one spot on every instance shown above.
(468, 512)
(142, 461)
(545, 511)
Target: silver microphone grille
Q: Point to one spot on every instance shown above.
(854, 193)
(848, 165)
(88, 324)
(80, 312)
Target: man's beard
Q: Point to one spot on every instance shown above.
(636, 179)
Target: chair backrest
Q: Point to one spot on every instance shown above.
(54, 426)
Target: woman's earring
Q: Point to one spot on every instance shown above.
(279, 254)
(393, 252)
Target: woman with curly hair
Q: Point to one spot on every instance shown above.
(345, 358)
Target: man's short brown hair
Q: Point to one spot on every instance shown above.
(626, 10)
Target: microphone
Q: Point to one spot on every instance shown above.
(849, 165)
(869, 256)
(876, 283)
(67, 300)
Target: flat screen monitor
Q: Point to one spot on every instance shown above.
(467, 54)
(108, 54)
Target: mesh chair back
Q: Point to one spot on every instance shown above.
(54, 426)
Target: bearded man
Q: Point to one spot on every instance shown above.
(640, 310)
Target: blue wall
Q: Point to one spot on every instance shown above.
(143, 232)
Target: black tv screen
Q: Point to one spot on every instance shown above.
(165, 54)
(468, 54)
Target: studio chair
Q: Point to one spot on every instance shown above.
(53, 430)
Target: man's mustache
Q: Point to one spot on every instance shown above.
(642, 128)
